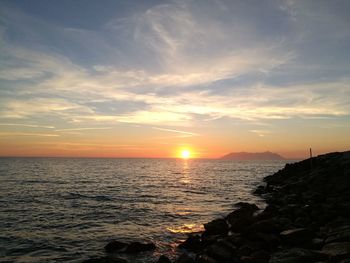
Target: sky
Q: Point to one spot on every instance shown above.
(123, 78)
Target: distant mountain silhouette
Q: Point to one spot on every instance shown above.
(252, 156)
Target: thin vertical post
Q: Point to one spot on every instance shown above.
(310, 158)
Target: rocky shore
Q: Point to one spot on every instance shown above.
(307, 219)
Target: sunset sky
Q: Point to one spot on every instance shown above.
(143, 78)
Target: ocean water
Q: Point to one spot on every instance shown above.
(66, 209)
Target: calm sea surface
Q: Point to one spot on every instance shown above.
(66, 210)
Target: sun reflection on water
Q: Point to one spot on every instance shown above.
(185, 172)
(186, 228)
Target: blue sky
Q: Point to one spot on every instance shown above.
(136, 77)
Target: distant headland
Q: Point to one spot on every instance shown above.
(252, 156)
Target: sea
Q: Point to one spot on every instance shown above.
(68, 209)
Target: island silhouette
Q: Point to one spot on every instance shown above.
(252, 156)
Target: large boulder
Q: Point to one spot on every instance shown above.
(192, 243)
(136, 247)
(115, 246)
(241, 218)
(216, 227)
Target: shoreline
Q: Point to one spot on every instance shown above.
(306, 219)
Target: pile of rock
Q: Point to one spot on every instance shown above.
(307, 219)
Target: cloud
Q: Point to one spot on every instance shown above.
(176, 131)
(166, 66)
(14, 134)
(27, 125)
(84, 129)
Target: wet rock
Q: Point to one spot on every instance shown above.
(114, 246)
(105, 260)
(216, 227)
(247, 206)
(192, 243)
(337, 250)
(184, 258)
(297, 255)
(163, 259)
(242, 218)
(136, 247)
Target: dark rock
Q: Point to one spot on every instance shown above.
(105, 260)
(297, 236)
(221, 251)
(338, 234)
(267, 240)
(260, 256)
(216, 227)
(114, 246)
(136, 247)
(184, 258)
(207, 240)
(247, 206)
(265, 226)
(192, 243)
(205, 259)
(163, 259)
(337, 250)
(297, 255)
(241, 218)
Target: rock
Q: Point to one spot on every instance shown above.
(296, 255)
(163, 259)
(136, 247)
(247, 206)
(192, 243)
(265, 226)
(297, 236)
(337, 250)
(339, 234)
(260, 256)
(216, 227)
(266, 240)
(241, 218)
(221, 251)
(184, 258)
(105, 260)
(205, 259)
(114, 246)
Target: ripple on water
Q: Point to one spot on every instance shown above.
(66, 210)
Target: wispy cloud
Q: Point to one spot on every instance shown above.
(176, 131)
(27, 125)
(83, 129)
(14, 134)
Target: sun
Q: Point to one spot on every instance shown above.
(185, 154)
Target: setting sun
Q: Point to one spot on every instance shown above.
(185, 154)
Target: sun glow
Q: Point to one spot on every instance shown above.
(185, 154)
